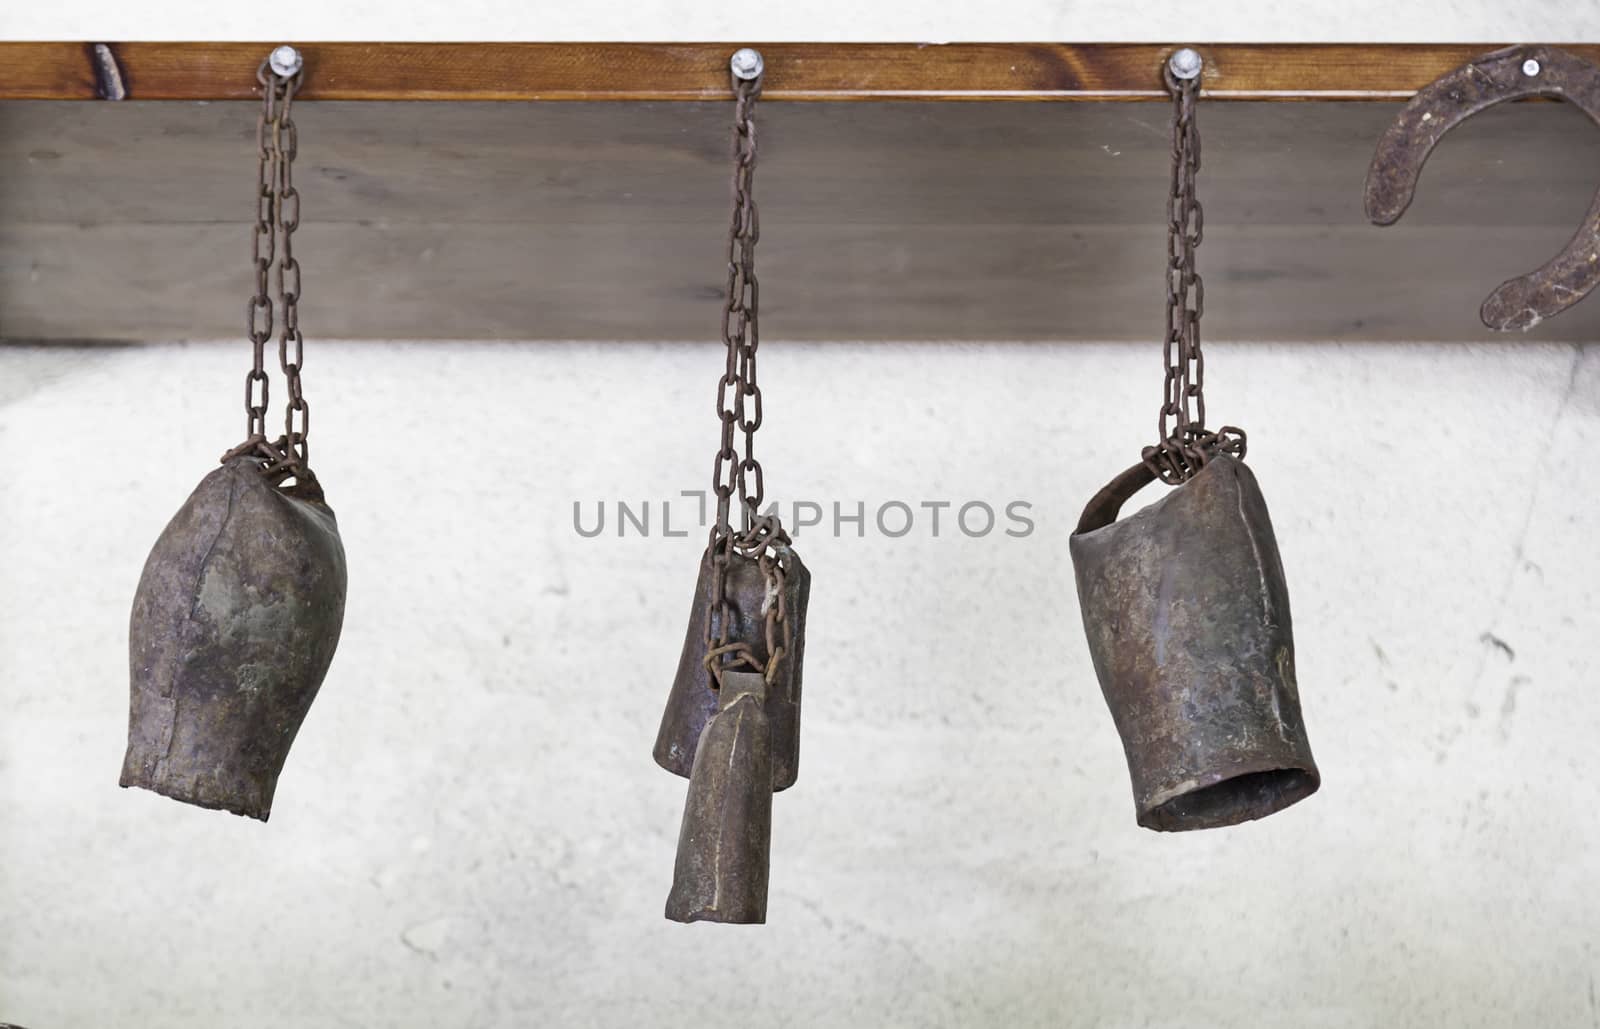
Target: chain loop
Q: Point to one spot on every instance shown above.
(761, 537)
(1185, 443)
(276, 271)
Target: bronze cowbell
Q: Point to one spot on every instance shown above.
(732, 721)
(1184, 603)
(241, 601)
(724, 842)
(1187, 616)
(694, 700)
(234, 625)
(735, 732)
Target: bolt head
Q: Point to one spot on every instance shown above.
(1185, 64)
(1530, 67)
(747, 63)
(285, 61)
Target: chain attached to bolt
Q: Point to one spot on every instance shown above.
(276, 272)
(761, 536)
(1185, 443)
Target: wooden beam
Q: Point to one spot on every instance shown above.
(880, 221)
(698, 71)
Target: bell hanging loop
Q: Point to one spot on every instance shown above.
(241, 601)
(1184, 603)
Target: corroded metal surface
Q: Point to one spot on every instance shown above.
(693, 701)
(234, 625)
(724, 842)
(1510, 74)
(1187, 616)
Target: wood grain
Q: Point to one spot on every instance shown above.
(819, 282)
(698, 71)
(130, 221)
(872, 163)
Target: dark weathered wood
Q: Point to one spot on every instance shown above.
(698, 71)
(916, 164)
(824, 282)
(880, 221)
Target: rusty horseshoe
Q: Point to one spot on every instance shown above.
(1510, 74)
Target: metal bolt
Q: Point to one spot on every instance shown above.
(285, 61)
(1184, 64)
(747, 63)
(1530, 67)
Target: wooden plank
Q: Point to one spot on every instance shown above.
(880, 221)
(651, 281)
(890, 163)
(698, 71)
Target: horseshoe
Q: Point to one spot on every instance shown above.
(1510, 74)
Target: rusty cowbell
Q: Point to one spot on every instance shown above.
(1184, 602)
(1187, 616)
(732, 723)
(721, 870)
(234, 625)
(241, 601)
(693, 699)
(749, 606)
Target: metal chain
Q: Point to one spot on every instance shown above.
(1185, 443)
(741, 329)
(276, 272)
(739, 410)
(286, 142)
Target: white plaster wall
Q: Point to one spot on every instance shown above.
(471, 833)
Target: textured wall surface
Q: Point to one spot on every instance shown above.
(470, 831)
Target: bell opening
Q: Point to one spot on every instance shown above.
(1241, 798)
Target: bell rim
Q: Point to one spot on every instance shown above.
(261, 812)
(1301, 780)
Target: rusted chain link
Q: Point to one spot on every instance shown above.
(277, 282)
(1185, 443)
(738, 394)
(760, 537)
(286, 142)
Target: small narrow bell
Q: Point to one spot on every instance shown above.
(1187, 615)
(692, 700)
(234, 625)
(723, 845)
